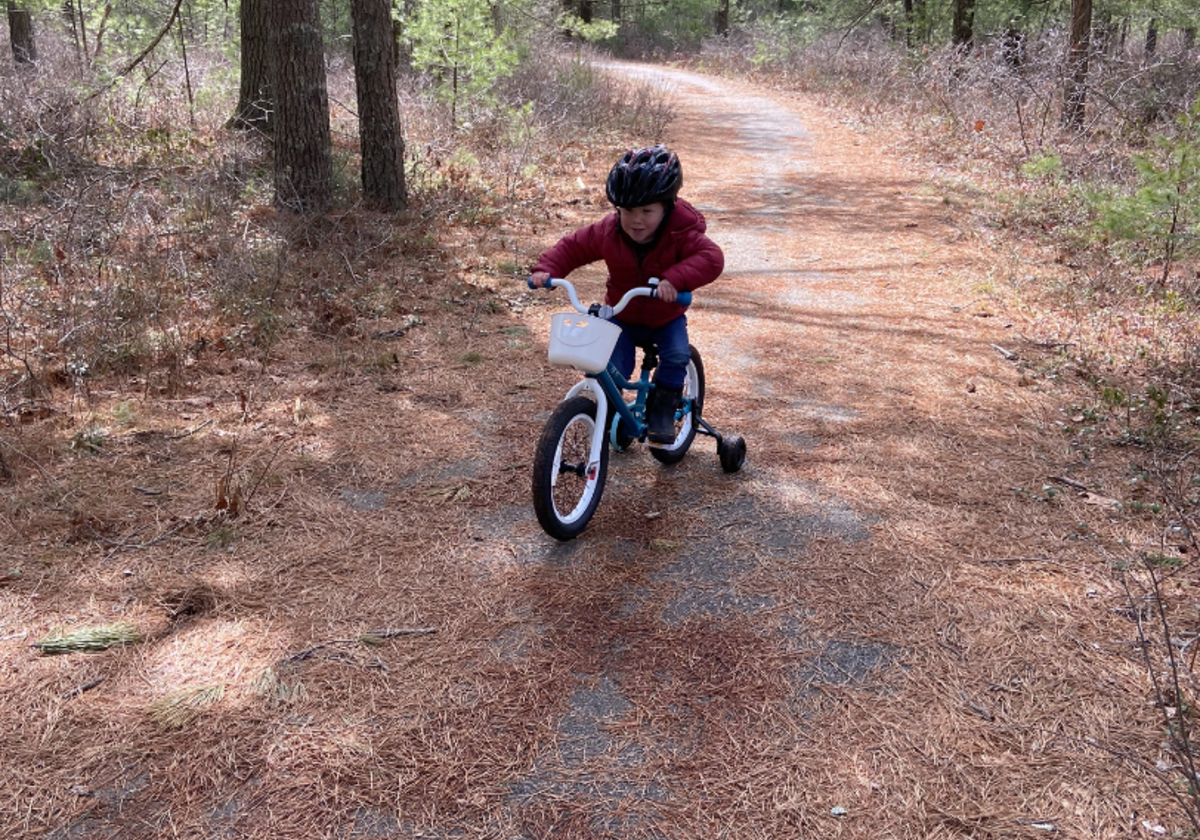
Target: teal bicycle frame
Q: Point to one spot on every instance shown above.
(633, 415)
(607, 387)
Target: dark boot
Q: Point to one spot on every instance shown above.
(661, 411)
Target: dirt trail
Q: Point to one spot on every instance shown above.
(878, 629)
(953, 649)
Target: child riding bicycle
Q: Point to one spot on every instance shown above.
(652, 234)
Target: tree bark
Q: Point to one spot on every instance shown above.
(1151, 38)
(20, 33)
(303, 162)
(916, 22)
(380, 139)
(723, 18)
(68, 13)
(1078, 51)
(963, 33)
(256, 101)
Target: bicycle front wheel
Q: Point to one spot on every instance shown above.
(568, 478)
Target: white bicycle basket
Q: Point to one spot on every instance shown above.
(581, 341)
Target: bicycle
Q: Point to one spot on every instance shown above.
(570, 465)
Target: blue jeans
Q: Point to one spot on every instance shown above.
(673, 353)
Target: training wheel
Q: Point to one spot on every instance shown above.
(732, 452)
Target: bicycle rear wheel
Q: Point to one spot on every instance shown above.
(568, 478)
(688, 422)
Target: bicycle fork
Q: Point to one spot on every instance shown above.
(592, 388)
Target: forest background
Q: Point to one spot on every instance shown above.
(123, 156)
(120, 138)
(184, 180)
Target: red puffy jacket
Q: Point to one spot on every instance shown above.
(683, 256)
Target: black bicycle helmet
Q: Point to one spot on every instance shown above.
(644, 176)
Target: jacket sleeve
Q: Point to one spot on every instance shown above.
(573, 251)
(701, 262)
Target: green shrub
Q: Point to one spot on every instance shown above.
(1160, 219)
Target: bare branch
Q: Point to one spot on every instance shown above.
(137, 60)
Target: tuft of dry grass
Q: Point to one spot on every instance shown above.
(179, 708)
(90, 639)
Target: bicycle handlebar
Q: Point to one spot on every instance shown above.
(682, 298)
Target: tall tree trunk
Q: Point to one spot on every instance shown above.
(723, 18)
(68, 15)
(1078, 51)
(379, 135)
(1189, 38)
(585, 11)
(256, 102)
(915, 22)
(1151, 38)
(963, 33)
(568, 9)
(20, 33)
(303, 163)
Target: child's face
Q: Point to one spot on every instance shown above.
(640, 223)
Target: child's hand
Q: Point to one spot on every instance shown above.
(666, 292)
(539, 278)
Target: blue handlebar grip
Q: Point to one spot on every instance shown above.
(682, 298)
(529, 282)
